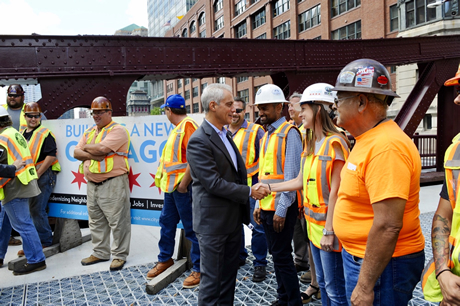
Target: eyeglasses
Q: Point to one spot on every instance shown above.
(32, 116)
(337, 100)
(239, 110)
(98, 113)
(13, 96)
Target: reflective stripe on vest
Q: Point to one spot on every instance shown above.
(35, 145)
(16, 148)
(245, 141)
(430, 285)
(271, 162)
(172, 169)
(317, 174)
(106, 165)
(22, 119)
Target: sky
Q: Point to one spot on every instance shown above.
(69, 17)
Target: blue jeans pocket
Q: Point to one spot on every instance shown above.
(407, 271)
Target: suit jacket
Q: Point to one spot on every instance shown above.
(220, 192)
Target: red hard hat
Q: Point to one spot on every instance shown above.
(32, 107)
(15, 89)
(101, 103)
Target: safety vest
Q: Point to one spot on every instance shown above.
(22, 120)
(105, 165)
(245, 141)
(430, 285)
(16, 148)
(172, 168)
(303, 133)
(35, 145)
(317, 174)
(271, 162)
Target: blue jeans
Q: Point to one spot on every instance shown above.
(329, 273)
(177, 206)
(280, 247)
(38, 205)
(397, 282)
(17, 212)
(258, 240)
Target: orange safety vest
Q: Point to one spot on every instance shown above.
(35, 145)
(271, 162)
(245, 141)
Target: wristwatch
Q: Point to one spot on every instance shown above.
(327, 233)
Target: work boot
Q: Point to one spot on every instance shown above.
(14, 241)
(192, 281)
(159, 268)
(91, 260)
(117, 264)
(306, 277)
(30, 268)
(21, 252)
(259, 274)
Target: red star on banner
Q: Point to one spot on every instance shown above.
(79, 179)
(133, 179)
(153, 184)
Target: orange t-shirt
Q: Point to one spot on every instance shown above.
(117, 141)
(383, 164)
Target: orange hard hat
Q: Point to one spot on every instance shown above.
(32, 107)
(15, 89)
(454, 81)
(101, 103)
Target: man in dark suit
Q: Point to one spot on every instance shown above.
(220, 196)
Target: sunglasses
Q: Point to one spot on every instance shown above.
(32, 116)
(98, 113)
(239, 110)
(13, 96)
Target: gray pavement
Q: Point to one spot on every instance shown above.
(66, 282)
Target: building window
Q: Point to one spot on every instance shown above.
(310, 18)
(187, 109)
(418, 13)
(221, 80)
(218, 5)
(240, 7)
(195, 91)
(187, 95)
(179, 83)
(244, 94)
(203, 33)
(258, 19)
(203, 86)
(202, 19)
(427, 122)
(194, 79)
(394, 18)
(280, 7)
(187, 81)
(169, 87)
(241, 30)
(196, 108)
(184, 33)
(317, 38)
(192, 27)
(392, 69)
(241, 79)
(341, 6)
(219, 23)
(246, 116)
(283, 31)
(351, 31)
(263, 36)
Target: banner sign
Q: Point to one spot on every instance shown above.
(148, 138)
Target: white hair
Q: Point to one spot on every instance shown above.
(213, 92)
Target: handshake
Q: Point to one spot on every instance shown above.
(260, 191)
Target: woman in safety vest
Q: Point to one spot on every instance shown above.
(325, 153)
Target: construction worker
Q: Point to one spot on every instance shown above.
(42, 146)
(440, 279)
(376, 216)
(173, 178)
(15, 193)
(15, 106)
(246, 137)
(322, 160)
(279, 160)
(103, 150)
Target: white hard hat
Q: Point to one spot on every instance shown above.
(318, 93)
(3, 112)
(270, 93)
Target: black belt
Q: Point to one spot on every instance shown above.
(104, 181)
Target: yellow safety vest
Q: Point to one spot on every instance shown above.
(245, 141)
(317, 174)
(105, 165)
(16, 148)
(35, 145)
(271, 163)
(172, 168)
(22, 120)
(430, 285)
